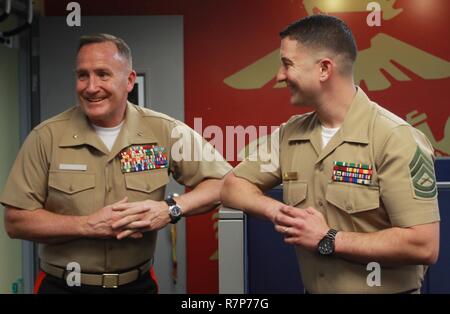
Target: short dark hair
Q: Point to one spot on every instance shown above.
(324, 31)
(122, 47)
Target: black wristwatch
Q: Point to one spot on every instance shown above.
(174, 208)
(326, 245)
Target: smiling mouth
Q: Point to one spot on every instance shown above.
(95, 100)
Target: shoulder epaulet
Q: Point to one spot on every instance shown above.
(63, 116)
(148, 113)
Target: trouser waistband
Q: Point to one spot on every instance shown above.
(106, 280)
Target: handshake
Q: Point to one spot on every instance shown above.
(124, 219)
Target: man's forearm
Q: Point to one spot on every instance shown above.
(43, 226)
(390, 247)
(203, 198)
(241, 194)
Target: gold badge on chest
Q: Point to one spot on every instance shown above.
(290, 176)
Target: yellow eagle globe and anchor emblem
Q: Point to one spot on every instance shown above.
(384, 52)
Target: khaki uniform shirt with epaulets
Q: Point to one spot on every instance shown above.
(400, 192)
(64, 167)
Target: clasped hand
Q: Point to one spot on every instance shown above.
(124, 219)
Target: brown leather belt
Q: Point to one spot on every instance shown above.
(107, 280)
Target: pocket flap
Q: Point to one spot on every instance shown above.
(70, 182)
(353, 198)
(146, 181)
(294, 192)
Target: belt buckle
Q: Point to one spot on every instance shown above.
(110, 280)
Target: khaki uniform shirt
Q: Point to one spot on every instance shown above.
(400, 193)
(64, 167)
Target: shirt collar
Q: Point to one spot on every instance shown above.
(134, 131)
(354, 129)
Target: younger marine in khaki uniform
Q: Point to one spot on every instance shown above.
(366, 193)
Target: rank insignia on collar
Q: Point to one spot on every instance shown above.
(352, 173)
(143, 157)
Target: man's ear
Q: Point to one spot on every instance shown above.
(327, 67)
(131, 80)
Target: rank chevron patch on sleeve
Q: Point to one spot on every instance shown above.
(422, 175)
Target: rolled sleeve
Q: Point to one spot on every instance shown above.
(26, 186)
(404, 203)
(262, 166)
(193, 159)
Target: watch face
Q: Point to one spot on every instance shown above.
(326, 246)
(175, 210)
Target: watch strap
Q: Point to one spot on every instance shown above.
(170, 199)
(332, 234)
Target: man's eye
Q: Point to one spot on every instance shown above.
(103, 75)
(82, 76)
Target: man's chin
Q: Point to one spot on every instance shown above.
(93, 112)
(295, 101)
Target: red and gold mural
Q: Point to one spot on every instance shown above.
(231, 57)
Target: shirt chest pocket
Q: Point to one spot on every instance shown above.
(71, 193)
(294, 192)
(145, 185)
(353, 198)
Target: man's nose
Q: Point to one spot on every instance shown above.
(281, 75)
(92, 85)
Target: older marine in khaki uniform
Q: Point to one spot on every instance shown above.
(56, 170)
(67, 176)
(368, 195)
